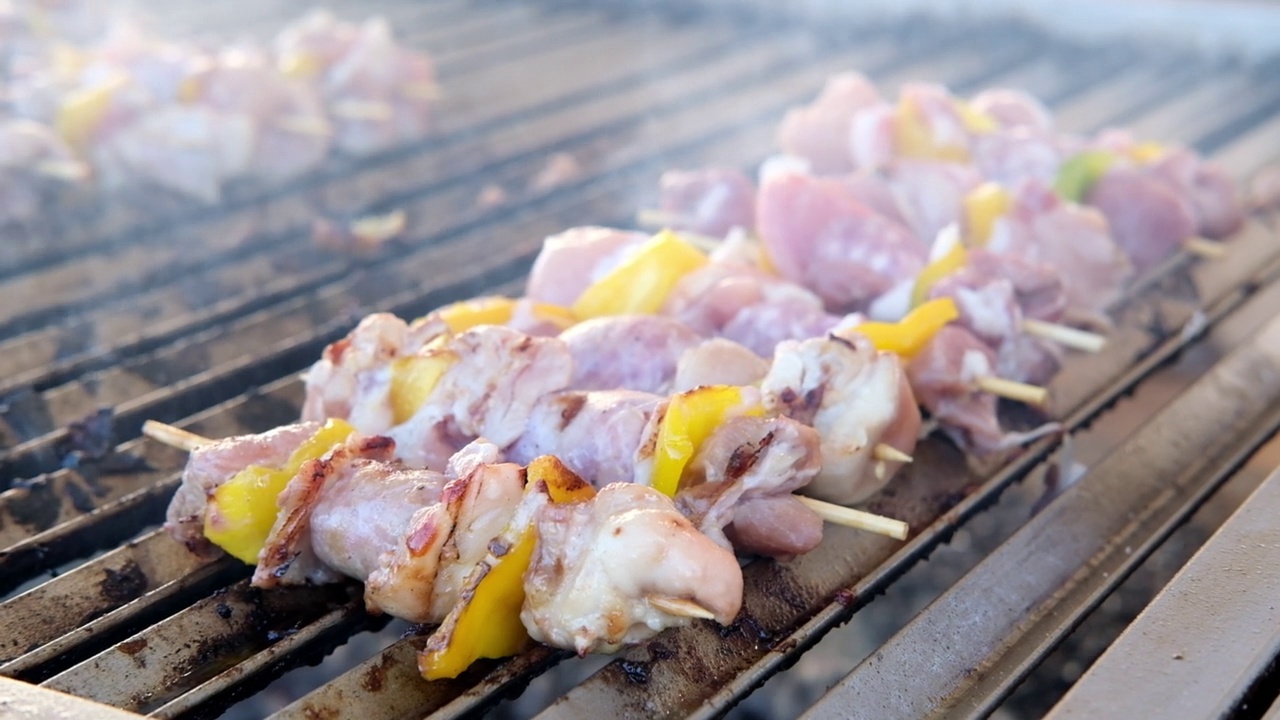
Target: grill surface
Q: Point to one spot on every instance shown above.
(201, 317)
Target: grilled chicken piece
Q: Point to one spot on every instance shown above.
(1072, 239)
(931, 195)
(741, 485)
(718, 361)
(819, 132)
(491, 390)
(1148, 218)
(628, 352)
(943, 377)
(731, 297)
(31, 155)
(352, 379)
(820, 236)
(603, 436)
(574, 259)
(710, 202)
(1214, 197)
(598, 564)
(292, 136)
(856, 398)
(210, 466)
(1012, 109)
(411, 536)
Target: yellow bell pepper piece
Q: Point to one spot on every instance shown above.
(955, 258)
(913, 139)
(976, 121)
(466, 314)
(982, 207)
(299, 65)
(486, 624)
(414, 378)
(1147, 152)
(83, 109)
(242, 510)
(560, 316)
(909, 335)
(641, 284)
(691, 418)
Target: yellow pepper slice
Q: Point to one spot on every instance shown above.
(976, 121)
(413, 379)
(691, 418)
(1147, 152)
(466, 314)
(913, 139)
(1079, 173)
(909, 335)
(82, 110)
(299, 65)
(955, 258)
(982, 207)
(242, 510)
(486, 623)
(641, 284)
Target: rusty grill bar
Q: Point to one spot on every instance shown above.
(201, 317)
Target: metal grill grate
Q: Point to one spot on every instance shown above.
(203, 318)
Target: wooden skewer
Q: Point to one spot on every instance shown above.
(309, 125)
(422, 91)
(174, 436)
(655, 219)
(841, 515)
(68, 170)
(1065, 335)
(680, 607)
(1014, 390)
(888, 453)
(1205, 248)
(362, 110)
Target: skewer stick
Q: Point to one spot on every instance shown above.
(362, 110)
(1205, 248)
(680, 607)
(308, 125)
(1013, 390)
(174, 436)
(422, 91)
(655, 219)
(1065, 335)
(841, 515)
(67, 170)
(888, 453)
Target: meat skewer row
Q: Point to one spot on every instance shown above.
(191, 120)
(601, 272)
(423, 543)
(1008, 137)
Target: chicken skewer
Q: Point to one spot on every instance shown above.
(1064, 335)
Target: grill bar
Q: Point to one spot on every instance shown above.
(1169, 662)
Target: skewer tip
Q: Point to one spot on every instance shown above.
(1205, 248)
(174, 436)
(889, 453)
(1014, 390)
(860, 519)
(1065, 335)
(680, 607)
